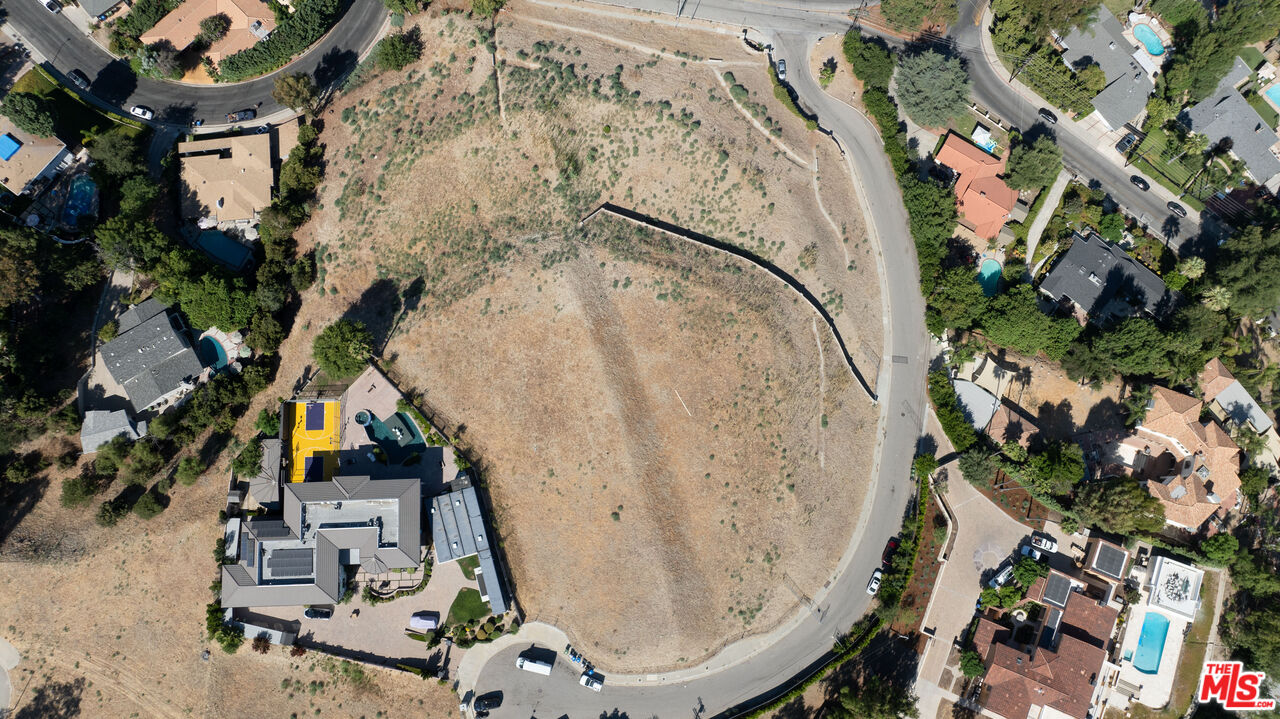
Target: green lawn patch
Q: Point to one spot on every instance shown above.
(1167, 163)
(966, 124)
(467, 606)
(1264, 108)
(469, 565)
(77, 121)
(1252, 57)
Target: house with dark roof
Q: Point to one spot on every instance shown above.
(302, 557)
(1052, 666)
(1225, 114)
(457, 530)
(1128, 84)
(101, 426)
(151, 357)
(1105, 283)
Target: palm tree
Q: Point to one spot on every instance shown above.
(1216, 298)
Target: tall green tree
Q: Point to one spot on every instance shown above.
(296, 91)
(29, 112)
(342, 349)
(486, 8)
(957, 301)
(1249, 268)
(1120, 506)
(869, 58)
(1057, 468)
(1134, 348)
(909, 14)
(116, 151)
(876, 698)
(1033, 165)
(932, 88)
(1014, 320)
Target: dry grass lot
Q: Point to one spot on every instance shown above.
(599, 370)
(111, 623)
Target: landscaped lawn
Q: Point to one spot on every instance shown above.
(469, 565)
(1190, 663)
(77, 121)
(1264, 108)
(467, 606)
(1161, 151)
(1252, 57)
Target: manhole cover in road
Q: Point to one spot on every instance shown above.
(988, 556)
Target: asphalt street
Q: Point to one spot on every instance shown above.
(901, 389)
(113, 84)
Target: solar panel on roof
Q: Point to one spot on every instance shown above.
(1057, 590)
(1109, 561)
(291, 562)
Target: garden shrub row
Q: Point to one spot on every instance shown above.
(783, 94)
(312, 20)
(947, 406)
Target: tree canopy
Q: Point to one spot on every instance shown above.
(869, 58)
(957, 302)
(29, 112)
(932, 88)
(1120, 506)
(394, 52)
(909, 14)
(1058, 468)
(342, 349)
(1014, 320)
(1033, 165)
(295, 91)
(1249, 268)
(875, 699)
(116, 151)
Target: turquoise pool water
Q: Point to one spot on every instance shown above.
(224, 249)
(1273, 94)
(212, 354)
(1151, 643)
(989, 277)
(81, 198)
(989, 145)
(397, 435)
(1149, 38)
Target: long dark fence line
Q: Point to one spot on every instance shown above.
(777, 272)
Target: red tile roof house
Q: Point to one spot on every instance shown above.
(982, 198)
(1059, 674)
(1192, 467)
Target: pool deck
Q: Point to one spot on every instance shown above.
(231, 345)
(1156, 688)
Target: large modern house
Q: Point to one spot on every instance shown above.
(303, 556)
(457, 529)
(1128, 81)
(1104, 283)
(151, 357)
(251, 21)
(227, 180)
(25, 159)
(1226, 115)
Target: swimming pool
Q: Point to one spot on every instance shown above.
(1151, 643)
(1273, 94)
(212, 354)
(82, 194)
(224, 249)
(1148, 38)
(989, 277)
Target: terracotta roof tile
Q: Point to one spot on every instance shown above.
(984, 200)
(1214, 378)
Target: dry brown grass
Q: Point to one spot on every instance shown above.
(603, 370)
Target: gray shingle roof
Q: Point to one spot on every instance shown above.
(1226, 113)
(457, 530)
(101, 427)
(265, 487)
(139, 313)
(1105, 281)
(97, 7)
(151, 358)
(1128, 86)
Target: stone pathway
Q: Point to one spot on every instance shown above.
(1041, 220)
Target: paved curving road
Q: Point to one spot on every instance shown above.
(113, 85)
(902, 390)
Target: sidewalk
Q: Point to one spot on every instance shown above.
(1041, 220)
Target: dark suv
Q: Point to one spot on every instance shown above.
(79, 79)
(1126, 143)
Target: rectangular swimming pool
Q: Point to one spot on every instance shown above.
(1155, 627)
(1273, 94)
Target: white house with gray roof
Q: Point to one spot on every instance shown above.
(457, 529)
(1128, 83)
(301, 557)
(1226, 114)
(151, 357)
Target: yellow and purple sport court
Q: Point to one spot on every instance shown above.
(312, 428)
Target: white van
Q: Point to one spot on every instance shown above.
(533, 665)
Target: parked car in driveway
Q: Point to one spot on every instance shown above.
(244, 115)
(424, 621)
(1030, 551)
(485, 702)
(1126, 143)
(782, 69)
(591, 680)
(873, 586)
(889, 550)
(1002, 576)
(1048, 117)
(79, 79)
(142, 111)
(1044, 543)
(1177, 209)
(1139, 182)
(318, 613)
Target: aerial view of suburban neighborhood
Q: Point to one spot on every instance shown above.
(626, 359)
